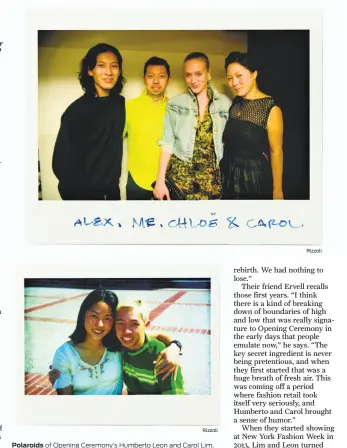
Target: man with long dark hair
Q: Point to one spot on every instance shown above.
(88, 151)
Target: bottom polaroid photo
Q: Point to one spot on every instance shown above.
(120, 341)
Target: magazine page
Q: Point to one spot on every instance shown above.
(115, 295)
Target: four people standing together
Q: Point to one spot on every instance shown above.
(198, 145)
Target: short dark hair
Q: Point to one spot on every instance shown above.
(157, 61)
(243, 59)
(110, 341)
(89, 62)
(198, 55)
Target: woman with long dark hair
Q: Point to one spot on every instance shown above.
(252, 164)
(91, 361)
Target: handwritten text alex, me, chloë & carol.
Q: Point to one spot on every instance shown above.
(230, 222)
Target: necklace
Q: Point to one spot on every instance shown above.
(241, 105)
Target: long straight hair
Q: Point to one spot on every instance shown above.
(110, 341)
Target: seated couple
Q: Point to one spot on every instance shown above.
(100, 361)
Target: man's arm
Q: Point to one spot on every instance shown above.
(63, 151)
(275, 134)
(167, 360)
(127, 118)
(171, 386)
(167, 144)
(162, 337)
(160, 190)
(65, 391)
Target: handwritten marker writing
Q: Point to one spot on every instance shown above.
(253, 223)
(184, 223)
(144, 222)
(232, 222)
(95, 222)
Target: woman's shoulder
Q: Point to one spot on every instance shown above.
(270, 104)
(267, 99)
(64, 356)
(66, 349)
(118, 356)
(263, 103)
(179, 100)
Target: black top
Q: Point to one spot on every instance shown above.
(88, 152)
(245, 135)
(245, 167)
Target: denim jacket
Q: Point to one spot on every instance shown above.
(180, 124)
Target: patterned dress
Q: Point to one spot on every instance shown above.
(200, 177)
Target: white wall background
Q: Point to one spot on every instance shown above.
(59, 56)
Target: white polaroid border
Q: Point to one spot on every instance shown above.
(198, 410)
(156, 222)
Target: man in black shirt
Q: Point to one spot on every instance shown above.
(88, 151)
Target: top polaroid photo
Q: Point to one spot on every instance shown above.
(174, 127)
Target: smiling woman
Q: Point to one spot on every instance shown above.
(91, 362)
(191, 147)
(252, 164)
